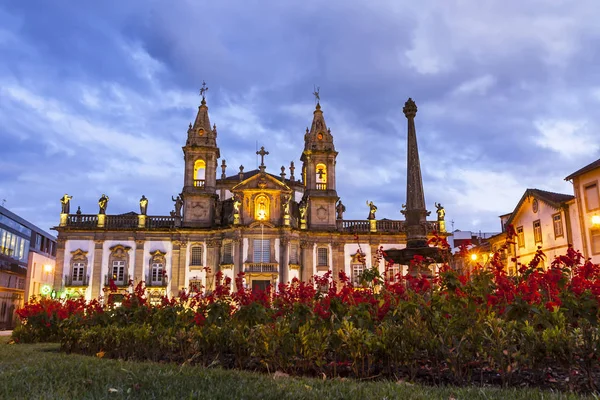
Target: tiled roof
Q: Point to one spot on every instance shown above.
(551, 198)
(587, 168)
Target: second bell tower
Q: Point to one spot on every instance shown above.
(318, 173)
(200, 154)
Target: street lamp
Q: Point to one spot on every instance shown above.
(48, 268)
(474, 257)
(596, 220)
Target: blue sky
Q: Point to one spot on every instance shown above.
(95, 97)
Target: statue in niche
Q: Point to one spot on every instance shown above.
(340, 209)
(65, 202)
(103, 203)
(372, 210)
(262, 209)
(178, 204)
(286, 204)
(236, 204)
(143, 205)
(302, 207)
(441, 212)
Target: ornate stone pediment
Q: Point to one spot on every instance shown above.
(119, 251)
(261, 181)
(79, 255)
(157, 256)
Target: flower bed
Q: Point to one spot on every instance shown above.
(537, 328)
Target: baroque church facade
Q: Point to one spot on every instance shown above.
(271, 227)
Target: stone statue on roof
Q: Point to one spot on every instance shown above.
(65, 202)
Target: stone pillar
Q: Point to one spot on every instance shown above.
(284, 260)
(59, 264)
(181, 283)
(141, 221)
(338, 260)
(238, 258)
(307, 248)
(374, 248)
(212, 261)
(101, 219)
(97, 280)
(63, 219)
(175, 270)
(138, 264)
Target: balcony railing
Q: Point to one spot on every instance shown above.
(72, 282)
(160, 222)
(153, 282)
(321, 186)
(353, 225)
(121, 221)
(261, 267)
(82, 220)
(118, 282)
(199, 183)
(390, 226)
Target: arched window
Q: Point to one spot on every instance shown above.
(156, 274)
(79, 263)
(118, 264)
(321, 177)
(199, 173)
(261, 208)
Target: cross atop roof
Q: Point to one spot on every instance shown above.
(203, 90)
(262, 153)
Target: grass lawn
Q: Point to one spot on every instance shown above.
(41, 372)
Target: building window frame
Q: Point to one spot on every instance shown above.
(558, 225)
(196, 255)
(227, 255)
(520, 236)
(118, 261)
(78, 268)
(586, 187)
(537, 231)
(595, 241)
(322, 256)
(157, 272)
(261, 251)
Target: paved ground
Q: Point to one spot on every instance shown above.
(5, 333)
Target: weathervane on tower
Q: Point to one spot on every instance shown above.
(316, 94)
(203, 90)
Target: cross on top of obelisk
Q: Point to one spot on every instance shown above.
(262, 153)
(203, 90)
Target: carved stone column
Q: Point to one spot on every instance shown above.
(338, 260)
(374, 248)
(238, 257)
(138, 264)
(181, 283)
(307, 248)
(97, 282)
(59, 264)
(175, 270)
(212, 261)
(284, 260)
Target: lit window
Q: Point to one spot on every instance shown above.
(196, 257)
(322, 256)
(321, 176)
(595, 240)
(537, 231)
(157, 272)
(558, 226)
(393, 272)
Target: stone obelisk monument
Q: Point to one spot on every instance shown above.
(416, 214)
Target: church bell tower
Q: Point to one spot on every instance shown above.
(318, 172)
(200, 154)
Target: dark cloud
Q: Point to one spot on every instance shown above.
(95, 98)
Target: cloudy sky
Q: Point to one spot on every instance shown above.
(95, 97)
